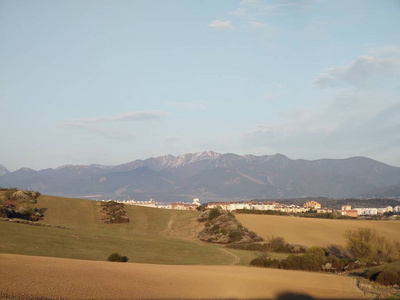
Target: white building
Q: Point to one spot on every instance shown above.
(367, 211)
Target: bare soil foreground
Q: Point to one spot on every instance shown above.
(314, 232)
(31, 277)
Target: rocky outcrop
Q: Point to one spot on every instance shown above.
(222, 227)
(20, 204)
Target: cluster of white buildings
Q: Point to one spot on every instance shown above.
(369, 211)
(346, 210)
(177, 205)
(270, 205)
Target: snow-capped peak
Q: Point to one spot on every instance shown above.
(170, 161)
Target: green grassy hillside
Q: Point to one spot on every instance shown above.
(152, 235)
(394, 267)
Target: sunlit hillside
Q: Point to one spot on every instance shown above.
(314, 232)
(55, 278)
(152, 235)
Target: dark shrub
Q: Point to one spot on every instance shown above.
(201, 208)
(292, 262)
(273, 263)
(259, 262)
(214, 213)
(117, 257)
(388, 278)
(214, 228)
(263, 261)
(252, 235)
(316, 251)
(235, 235)
(305, 262)
(337, 263)
(277, 243)
(372, 275)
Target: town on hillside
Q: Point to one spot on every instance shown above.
(272, 206)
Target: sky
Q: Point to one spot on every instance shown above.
(109, 82)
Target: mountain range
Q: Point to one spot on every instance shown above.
(211, 176)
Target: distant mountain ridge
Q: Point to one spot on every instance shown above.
(212, 177)
(3, 170)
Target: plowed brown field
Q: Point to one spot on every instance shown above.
(55, 278)
(314, 232)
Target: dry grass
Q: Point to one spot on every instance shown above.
(153, 235)
(54, 278)
(314, 232)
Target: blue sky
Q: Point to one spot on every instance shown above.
(109, 82)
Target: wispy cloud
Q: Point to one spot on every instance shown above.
(253, 9)
(190, 105)
(248, 1)
(129, 116)
(218, 24)
(359, 119)
(265, 29)
(172, 139)
(351, 123)
(111, 134)
(376, 68)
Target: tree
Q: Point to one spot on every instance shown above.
(365, 243)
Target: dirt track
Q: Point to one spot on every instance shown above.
(78, 279)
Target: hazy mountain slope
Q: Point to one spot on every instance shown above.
(140, 182)
(212, 176)
(3, 170)
(388, 191)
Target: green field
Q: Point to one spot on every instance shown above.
(152, 236)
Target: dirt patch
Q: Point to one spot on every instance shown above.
(53, 278)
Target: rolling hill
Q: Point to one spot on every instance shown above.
(67, 258)
(152, 236)
(212, 176)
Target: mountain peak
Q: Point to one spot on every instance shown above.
(3, 170)
(25, 170)
(170, 161)
(202, 155)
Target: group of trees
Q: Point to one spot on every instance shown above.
(364, 248)
(274, 244)
(113, 212)
(367, 245)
